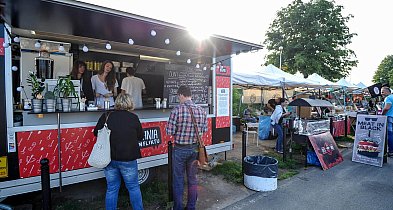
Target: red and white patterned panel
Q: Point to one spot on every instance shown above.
(223, 82)
(76, 145)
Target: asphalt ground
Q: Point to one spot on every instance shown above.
(349, 185)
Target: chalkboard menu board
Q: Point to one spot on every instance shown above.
(196, 78)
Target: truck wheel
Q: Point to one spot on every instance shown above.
(2, 199)
(145, 175)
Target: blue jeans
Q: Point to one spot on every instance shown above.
(185, 159)
(278, 129)
(113, 173)
(390, 134)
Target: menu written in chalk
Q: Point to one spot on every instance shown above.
(196, 78)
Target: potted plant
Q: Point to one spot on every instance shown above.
(50, 101)
(37, 86)
(65, 89)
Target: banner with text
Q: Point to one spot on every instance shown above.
(370, 137)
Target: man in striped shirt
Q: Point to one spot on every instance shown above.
(185, 152)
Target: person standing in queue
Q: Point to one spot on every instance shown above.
(78, 72)
(387, 110)
(276, 121)
(133, 86)
(105, 84)
(126, 132)
(180, 126)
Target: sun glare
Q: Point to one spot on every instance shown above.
(198, 34)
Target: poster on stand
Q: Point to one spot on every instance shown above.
(369, 139)
(326, 149)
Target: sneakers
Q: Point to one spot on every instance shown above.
(281, 152)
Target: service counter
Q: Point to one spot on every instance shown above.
(50, 118)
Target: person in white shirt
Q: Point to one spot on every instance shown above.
(105, 85)
(134, 86)
(276, 121)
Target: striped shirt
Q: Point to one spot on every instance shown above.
(180, 123)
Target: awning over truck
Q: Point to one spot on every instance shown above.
(82, 23)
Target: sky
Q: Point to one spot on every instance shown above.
(250, 19)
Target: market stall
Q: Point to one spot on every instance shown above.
(165, 55)
(312, 131)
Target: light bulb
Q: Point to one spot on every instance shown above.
(108, 46)
(85, 49)
(204, 68)
(61, 48)
(19, 89)
(167, 41)
(197, 66)
(188, 60)
(178, 53)
(14, 68)
(153, 32)
(130, 41)
(5, 44)
(16, 39)
(37, 44)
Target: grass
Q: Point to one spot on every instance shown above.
(287, 174)
(232, 171)
(154, 194)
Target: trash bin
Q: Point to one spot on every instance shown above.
(260, 173)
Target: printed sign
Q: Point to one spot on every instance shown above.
(369, 139)
(326, 149)
(152, 137)
(3, 167)
(222, 102)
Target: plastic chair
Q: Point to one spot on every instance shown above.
(252, 128)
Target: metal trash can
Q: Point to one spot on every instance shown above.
(260, 173)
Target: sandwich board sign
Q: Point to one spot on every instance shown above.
(326, 150)
(370, 136)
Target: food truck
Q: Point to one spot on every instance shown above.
(45, 38)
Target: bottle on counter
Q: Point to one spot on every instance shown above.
(158, 103)
(164, 103)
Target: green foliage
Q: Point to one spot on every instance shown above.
(384, 73)
(65, 87)
(37, 85)
(232, 171)
(314, 37)
(237, 106)
(287, 174)
(156, 191)
(49, 95)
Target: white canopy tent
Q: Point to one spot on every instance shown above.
(288, 79)
(322, 81)
(255, 79)
(344, 83)
(361, 85)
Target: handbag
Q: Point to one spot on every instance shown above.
(202, 154)
(100, 155)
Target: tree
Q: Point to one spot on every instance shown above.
(384, 73)
(314, 37)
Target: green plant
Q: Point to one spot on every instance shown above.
(49, 95)
(65, 88)
(232, 171)
(37, 85)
